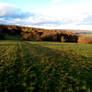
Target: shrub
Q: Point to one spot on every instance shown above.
(27, 36)
(28, 30)
(62, 39)
(1, 37)
(90, 42)
(85, 39)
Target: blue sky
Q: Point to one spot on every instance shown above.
(52, 14)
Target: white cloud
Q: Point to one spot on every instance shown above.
(56, 1)
(69, 11)
(5, 9)
(70, 16)
(54, 16)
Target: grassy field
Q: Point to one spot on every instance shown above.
(27, 66)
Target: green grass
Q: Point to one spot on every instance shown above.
(12, 37)
(45, 67)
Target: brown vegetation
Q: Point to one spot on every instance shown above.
(39, 34)
(85, 39)
(27, 36)
(1, 37)
(11, 30)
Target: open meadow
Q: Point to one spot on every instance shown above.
(27, 66)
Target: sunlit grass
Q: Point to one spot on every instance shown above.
(45, 67)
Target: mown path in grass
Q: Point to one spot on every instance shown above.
(81, 49)
(80, 63)
(28, 67)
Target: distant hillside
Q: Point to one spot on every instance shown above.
(31, 33)
(83, 33)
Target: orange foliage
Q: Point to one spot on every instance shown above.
(85, 39)
(40, 34)
(27, 36)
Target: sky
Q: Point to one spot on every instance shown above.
(50, 14)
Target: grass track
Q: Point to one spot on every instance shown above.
(44, 66)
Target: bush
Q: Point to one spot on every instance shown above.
(85, 39)
(27, 36)
(1, 37)
(28, 30)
